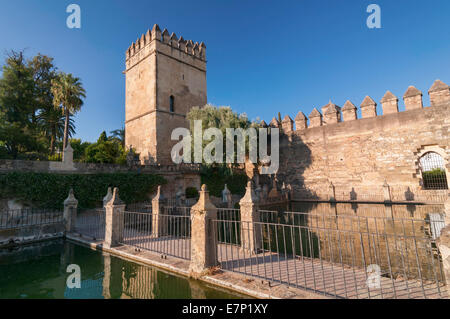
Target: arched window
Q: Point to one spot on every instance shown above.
(432, 167)
(172, 104)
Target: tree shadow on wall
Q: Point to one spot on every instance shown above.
(294, 158)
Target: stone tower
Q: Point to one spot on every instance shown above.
(165, 77)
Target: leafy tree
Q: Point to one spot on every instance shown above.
(221, 118)
(30, 125)
(118, 135)
(51, 122)
(102, 138)
(105, 151)
(43, 73)
(68, 94)
(17, 106)
(79, 149)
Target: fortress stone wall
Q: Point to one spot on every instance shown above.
(166, 77)
(360, 155)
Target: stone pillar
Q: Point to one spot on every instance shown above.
(226, 197)
(70, 212)
(250, 233)
(331, 192)
(159, 221)
(114, 220)
(274, 191)
(289, 192)
(258, 193)
(131, 158)
(284, 192)
(386, 192)
(107, 197)
(68, 155)
(265, 191)
(203, 240)
(180, 196)
(443, 244)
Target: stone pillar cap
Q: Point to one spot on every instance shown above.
(159, 195)
(71, 200)
(68, 147)
(115, 199)
(108, 195)
(204, 203)
(226, 190)
(250, 196)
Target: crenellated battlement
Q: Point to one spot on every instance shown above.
(166, 43)
(331, 113)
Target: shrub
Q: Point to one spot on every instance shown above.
(191, 192)
(55, 157)
(49, 190)
(215, 179)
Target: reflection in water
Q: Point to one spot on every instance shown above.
(398, 238)
(39, 271)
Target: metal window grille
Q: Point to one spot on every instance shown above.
(433, 171)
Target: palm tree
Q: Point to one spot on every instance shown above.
(51, 122)
(119, 135)
(67, 93)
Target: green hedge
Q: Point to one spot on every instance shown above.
(215, 180)
(49, 190)
(191, 192)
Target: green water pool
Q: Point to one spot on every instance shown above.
(40, 271)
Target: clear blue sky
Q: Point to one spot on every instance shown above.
(263, 56)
